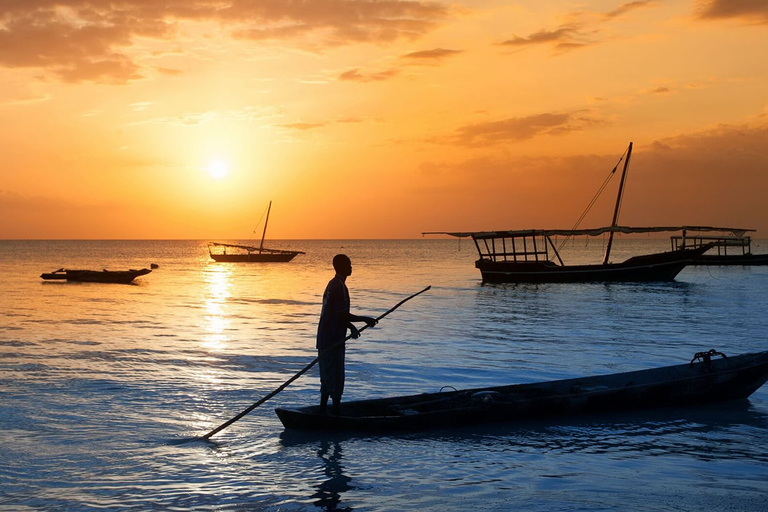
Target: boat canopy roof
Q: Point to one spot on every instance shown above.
(737, 232)
(246, 247)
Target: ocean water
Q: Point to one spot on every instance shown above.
(100, 384)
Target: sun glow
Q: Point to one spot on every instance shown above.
(218, 169)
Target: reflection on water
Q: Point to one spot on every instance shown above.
(328, 494)
(218, 285)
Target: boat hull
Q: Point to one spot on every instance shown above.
(96, 276)
(256, 257)
(735, 259)
(662, 266)
(673, 386)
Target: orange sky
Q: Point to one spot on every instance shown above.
(377, 119)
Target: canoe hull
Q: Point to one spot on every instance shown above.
(96, 276)
(662, 266)
(674, 386)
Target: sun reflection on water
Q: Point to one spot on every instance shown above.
(218, 289)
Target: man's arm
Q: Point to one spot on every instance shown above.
(370, 321)
(354, 332)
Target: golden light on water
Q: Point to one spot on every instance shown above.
(218, 289)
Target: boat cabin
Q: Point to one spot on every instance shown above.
(517, 246)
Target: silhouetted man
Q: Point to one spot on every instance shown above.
(335, 319)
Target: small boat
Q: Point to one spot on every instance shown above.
(729, 246)
(245, 253)
(706, 379)
(96, 276)
(530, 255)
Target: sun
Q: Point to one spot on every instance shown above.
(218, 169)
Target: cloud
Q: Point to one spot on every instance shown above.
(518, 128)
(74, 49)
(88, 40)
(752, 11)
(181, 120)
(168, 71)
(577, 34)
(301, 126)
(565, 37)
(631, 6)
(354, 75)
(339, 21)
(27, 99)
(436, 54)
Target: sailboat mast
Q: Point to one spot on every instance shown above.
(261, 246)
(618, 205)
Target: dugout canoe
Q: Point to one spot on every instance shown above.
(710, 377)
(95, 276)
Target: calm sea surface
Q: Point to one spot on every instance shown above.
(100, 384)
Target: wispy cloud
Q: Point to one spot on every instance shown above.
(87, 40)
(339, 21)
(631, 6)
(169, 71)
(27, 99)
(750, 11)
(519, 128)
(354, 75)
(301, 126)
(434, 55)
(565, 38)
(576, 34)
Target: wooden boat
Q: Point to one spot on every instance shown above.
(530, 256)
(96, 276)
(524, 257)
(704, 380)
(247, 254)
(729, 246)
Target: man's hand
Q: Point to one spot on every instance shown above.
(354, 332)
(370, 322)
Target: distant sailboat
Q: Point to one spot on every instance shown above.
(525, 256)
(245, 253)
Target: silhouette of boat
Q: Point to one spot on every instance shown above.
(245, 253)
(704, 380)
(530, 256)
(96, 276)
(728, 239)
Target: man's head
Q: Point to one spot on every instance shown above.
(342, 265)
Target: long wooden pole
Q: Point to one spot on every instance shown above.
(301, 372)
(618, 205)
